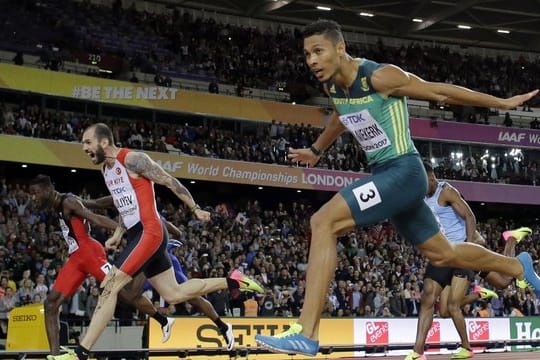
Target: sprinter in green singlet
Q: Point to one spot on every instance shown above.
(370, 102)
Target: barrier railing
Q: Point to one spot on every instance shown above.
(362, 350)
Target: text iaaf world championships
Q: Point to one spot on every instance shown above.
(260, 175)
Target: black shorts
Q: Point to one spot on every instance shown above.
(463, 273)
(144, 253)
(483, 274)
(443, 275)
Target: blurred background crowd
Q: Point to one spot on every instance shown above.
(175, 44)
(378, 273)
(265, 143)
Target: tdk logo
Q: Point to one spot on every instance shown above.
(353, 119)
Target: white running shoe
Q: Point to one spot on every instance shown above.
(229, 336)
(167, 329)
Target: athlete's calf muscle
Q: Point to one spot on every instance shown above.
(114, 281)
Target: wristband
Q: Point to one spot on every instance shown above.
(316, 151)
(195, 208)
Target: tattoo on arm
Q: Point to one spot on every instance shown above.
(143, 165)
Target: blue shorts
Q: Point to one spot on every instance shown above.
(395, 191)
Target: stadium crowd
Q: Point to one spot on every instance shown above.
(262, 143)
(176, 43)
(378, 274)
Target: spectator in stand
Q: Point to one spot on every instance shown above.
(18, 59)
(398, 305)
(3, 285)
(497, 305)
(528, 306)
(26, 292)
(7, 303)
(213, 87)
(8, 275)
(515, 312)
(298, 299)
(251, 307)
(284, 304)
(25, 276)
(220, 301)
(267, 306)
(91, 301)
(535, 124)
(41, 288)
(158, 79)
(507, 120)
(368, 312)
(284, 282)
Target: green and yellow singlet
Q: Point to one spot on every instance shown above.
(380, 125)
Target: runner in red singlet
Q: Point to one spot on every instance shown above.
(86, 256)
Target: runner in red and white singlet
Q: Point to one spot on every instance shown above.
(130, 177)
(134, 199)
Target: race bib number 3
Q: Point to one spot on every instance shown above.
(367, 195)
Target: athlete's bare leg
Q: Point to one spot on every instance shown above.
(131, 294)
(470, 298)
(510, 247)
(441, 252)
(164, 283)
(174, 293)
(330, 220)
(498, 280)
(430, 293)
(451, 302)
(205, 306)
(52, 303)
(335, 217)
(501, 281)
(114, 281)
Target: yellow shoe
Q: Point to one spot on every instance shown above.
(245, 283)
(462, 353)
(518, 234)
(522, 284)
(69, 355)
(294, 329)
(485, 293)
(415, 356)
